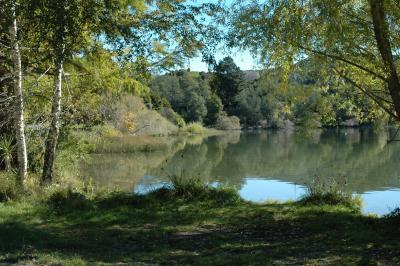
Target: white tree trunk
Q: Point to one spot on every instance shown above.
(54, 131)
(19, 99)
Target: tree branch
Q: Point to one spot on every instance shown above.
(346, 61)
(375, 98)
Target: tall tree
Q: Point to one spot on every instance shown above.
(357, 38)
(18, 94)
(60, 24)
(228, 81)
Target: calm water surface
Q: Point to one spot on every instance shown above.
(268, 165)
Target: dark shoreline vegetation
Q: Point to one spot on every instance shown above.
(190, 223)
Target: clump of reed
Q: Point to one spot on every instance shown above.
(193, 189)
(330, 191)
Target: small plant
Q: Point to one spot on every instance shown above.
(330, 191)
(6, 152)
(187, 187)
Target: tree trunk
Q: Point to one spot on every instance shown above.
(19, 99)
(52, 137)
(381, 30)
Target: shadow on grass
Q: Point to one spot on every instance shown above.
(162, 229)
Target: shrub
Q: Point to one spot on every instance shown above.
(194, 128)
(225, 122)
(331, 192)
(67, 198)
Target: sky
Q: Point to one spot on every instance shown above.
(243, 59)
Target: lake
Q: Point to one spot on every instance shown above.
(265, 165)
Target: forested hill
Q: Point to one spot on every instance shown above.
(310, 96)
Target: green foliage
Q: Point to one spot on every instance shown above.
(328, 33)
(332, 192)
(187, 94)
(252, 106)
(214, 108)
(228, 80)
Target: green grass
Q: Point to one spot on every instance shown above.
(207, 226)
(130, 144)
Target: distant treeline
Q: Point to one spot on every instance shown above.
(308, 96)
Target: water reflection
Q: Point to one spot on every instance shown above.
(261, 190)
(281, 161)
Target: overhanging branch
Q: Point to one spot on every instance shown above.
(345, 61)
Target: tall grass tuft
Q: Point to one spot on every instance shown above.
(330, 191)
(195, 189)
(187, 187)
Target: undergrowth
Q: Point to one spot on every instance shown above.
(8, 186)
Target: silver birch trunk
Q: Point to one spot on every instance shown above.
(54, 131)
(19, 99)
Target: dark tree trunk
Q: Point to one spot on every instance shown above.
(54, 131)
(381, 30)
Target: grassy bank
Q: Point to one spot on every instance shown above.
(188, 225)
